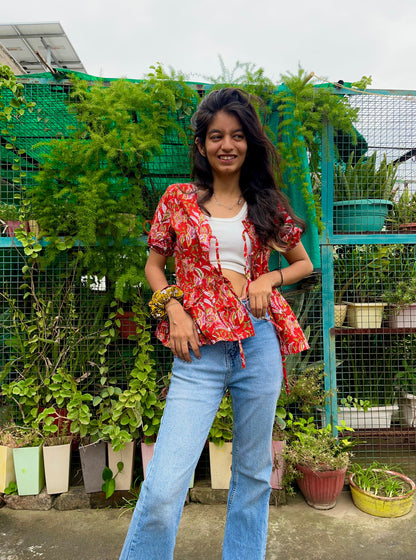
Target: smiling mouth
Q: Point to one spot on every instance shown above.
(227, 158)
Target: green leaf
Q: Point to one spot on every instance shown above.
(107, 474)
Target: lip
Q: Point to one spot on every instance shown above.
(227, 157)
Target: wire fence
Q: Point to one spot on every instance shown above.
(375, 365)
(374, 270)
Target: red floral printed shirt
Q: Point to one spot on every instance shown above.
(180, 228)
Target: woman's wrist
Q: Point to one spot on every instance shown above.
(278, 279)
(162, 297)
(171, 303)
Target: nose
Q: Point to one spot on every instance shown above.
(227, 143)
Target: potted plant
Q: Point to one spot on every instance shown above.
(11, 219)
(402, 300)
(317, 459)
(364, 413)
(405, 380)
(363, 194)
(220, 445)
(380, 490)
(358, 283)
(28, 460)
(57, 461)
(7, 474)
(403, 218)
(278, 444)
(93, 455)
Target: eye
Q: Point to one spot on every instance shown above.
(215, 137)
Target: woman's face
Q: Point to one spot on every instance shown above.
(225, 145)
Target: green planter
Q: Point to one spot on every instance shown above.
(357, 216)
(28, 467)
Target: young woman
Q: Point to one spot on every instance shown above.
(225, 322)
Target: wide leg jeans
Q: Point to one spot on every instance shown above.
(194, 396)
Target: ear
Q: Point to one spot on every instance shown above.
(200, 147)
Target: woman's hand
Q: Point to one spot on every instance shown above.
(259, 294)
(182, 332)
(260, 290)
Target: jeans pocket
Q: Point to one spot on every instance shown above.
(254, 319)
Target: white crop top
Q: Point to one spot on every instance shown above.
(231, 238)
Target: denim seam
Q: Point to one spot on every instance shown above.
(234, 471)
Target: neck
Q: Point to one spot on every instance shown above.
(229, 186)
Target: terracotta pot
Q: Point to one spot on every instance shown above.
(60, 419)
(127, 324)
(407, 228)
(321, 489)
(13, 225)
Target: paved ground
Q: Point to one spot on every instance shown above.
(296, 532)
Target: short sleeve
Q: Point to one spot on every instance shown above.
(162, 236)
(291, 233)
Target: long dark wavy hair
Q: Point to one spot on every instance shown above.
(260, 171)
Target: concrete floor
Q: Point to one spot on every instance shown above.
(296, 532)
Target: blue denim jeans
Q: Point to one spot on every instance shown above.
(194, 396)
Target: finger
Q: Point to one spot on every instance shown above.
(173, 349)
(195, 347)
(255, 306)
(185, 352)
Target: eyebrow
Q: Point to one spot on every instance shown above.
(215, 130)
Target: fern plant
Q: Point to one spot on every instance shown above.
(93, 187)
(364, 180)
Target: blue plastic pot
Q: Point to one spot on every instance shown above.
(358, 216)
